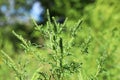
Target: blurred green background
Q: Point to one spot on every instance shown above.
(101, 22)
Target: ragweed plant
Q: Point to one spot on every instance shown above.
(60, 49)
(58, 62)
(19, 69)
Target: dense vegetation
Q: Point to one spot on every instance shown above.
(83, 47)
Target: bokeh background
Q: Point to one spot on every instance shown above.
(101, 21)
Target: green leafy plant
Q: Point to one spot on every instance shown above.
(58, 62)
(59, 67)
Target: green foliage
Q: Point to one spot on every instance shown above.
(102, 14)
(59, 67)
(72, 8)
(98, 37)
(20, 73)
